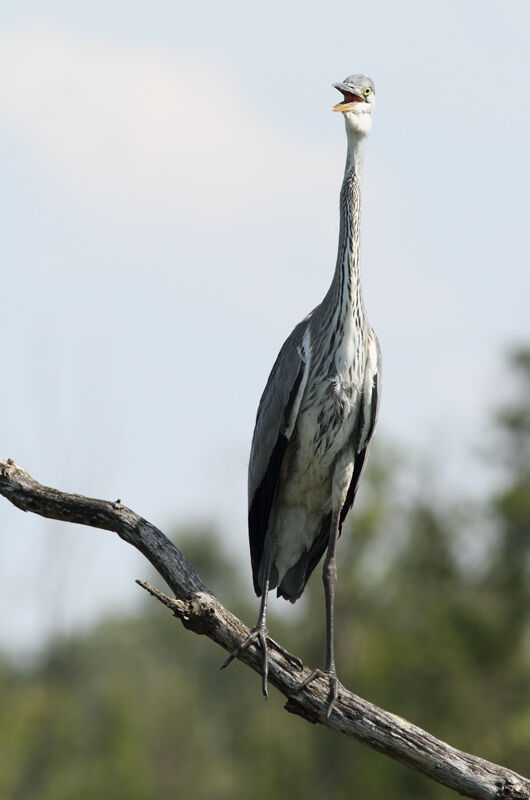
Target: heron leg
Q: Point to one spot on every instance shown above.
(329, 577)
(259, 633)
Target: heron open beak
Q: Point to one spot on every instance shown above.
(349, 100)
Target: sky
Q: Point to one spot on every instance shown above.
(170, 177)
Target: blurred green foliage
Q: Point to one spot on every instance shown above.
(137, 709)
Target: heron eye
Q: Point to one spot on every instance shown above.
(367, 91)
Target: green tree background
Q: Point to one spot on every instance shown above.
(433, 622)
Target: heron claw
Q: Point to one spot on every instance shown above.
(334, 684)
(260, 634)
(294, 661)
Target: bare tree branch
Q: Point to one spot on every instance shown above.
(201, 612)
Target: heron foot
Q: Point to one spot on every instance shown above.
(334, 684)
(260, 635)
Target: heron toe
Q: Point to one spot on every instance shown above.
(260, 635)
(334, 685)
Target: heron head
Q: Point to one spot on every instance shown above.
(358, 103)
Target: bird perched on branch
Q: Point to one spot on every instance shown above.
(316, 419)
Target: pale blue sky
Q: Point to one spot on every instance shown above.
(171, 175)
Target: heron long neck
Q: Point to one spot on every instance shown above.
(345, 289)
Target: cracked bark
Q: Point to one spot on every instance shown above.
(202, 613)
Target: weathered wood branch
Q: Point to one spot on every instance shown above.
(201, 612)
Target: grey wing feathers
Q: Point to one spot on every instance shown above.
(275, 421)
(364, 433)
(370, 409)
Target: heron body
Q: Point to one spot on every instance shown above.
(317, 416)
(325, 378)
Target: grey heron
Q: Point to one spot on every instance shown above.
(316, 419)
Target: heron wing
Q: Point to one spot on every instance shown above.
(275, 421)
(368, 417)
(369, 408)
